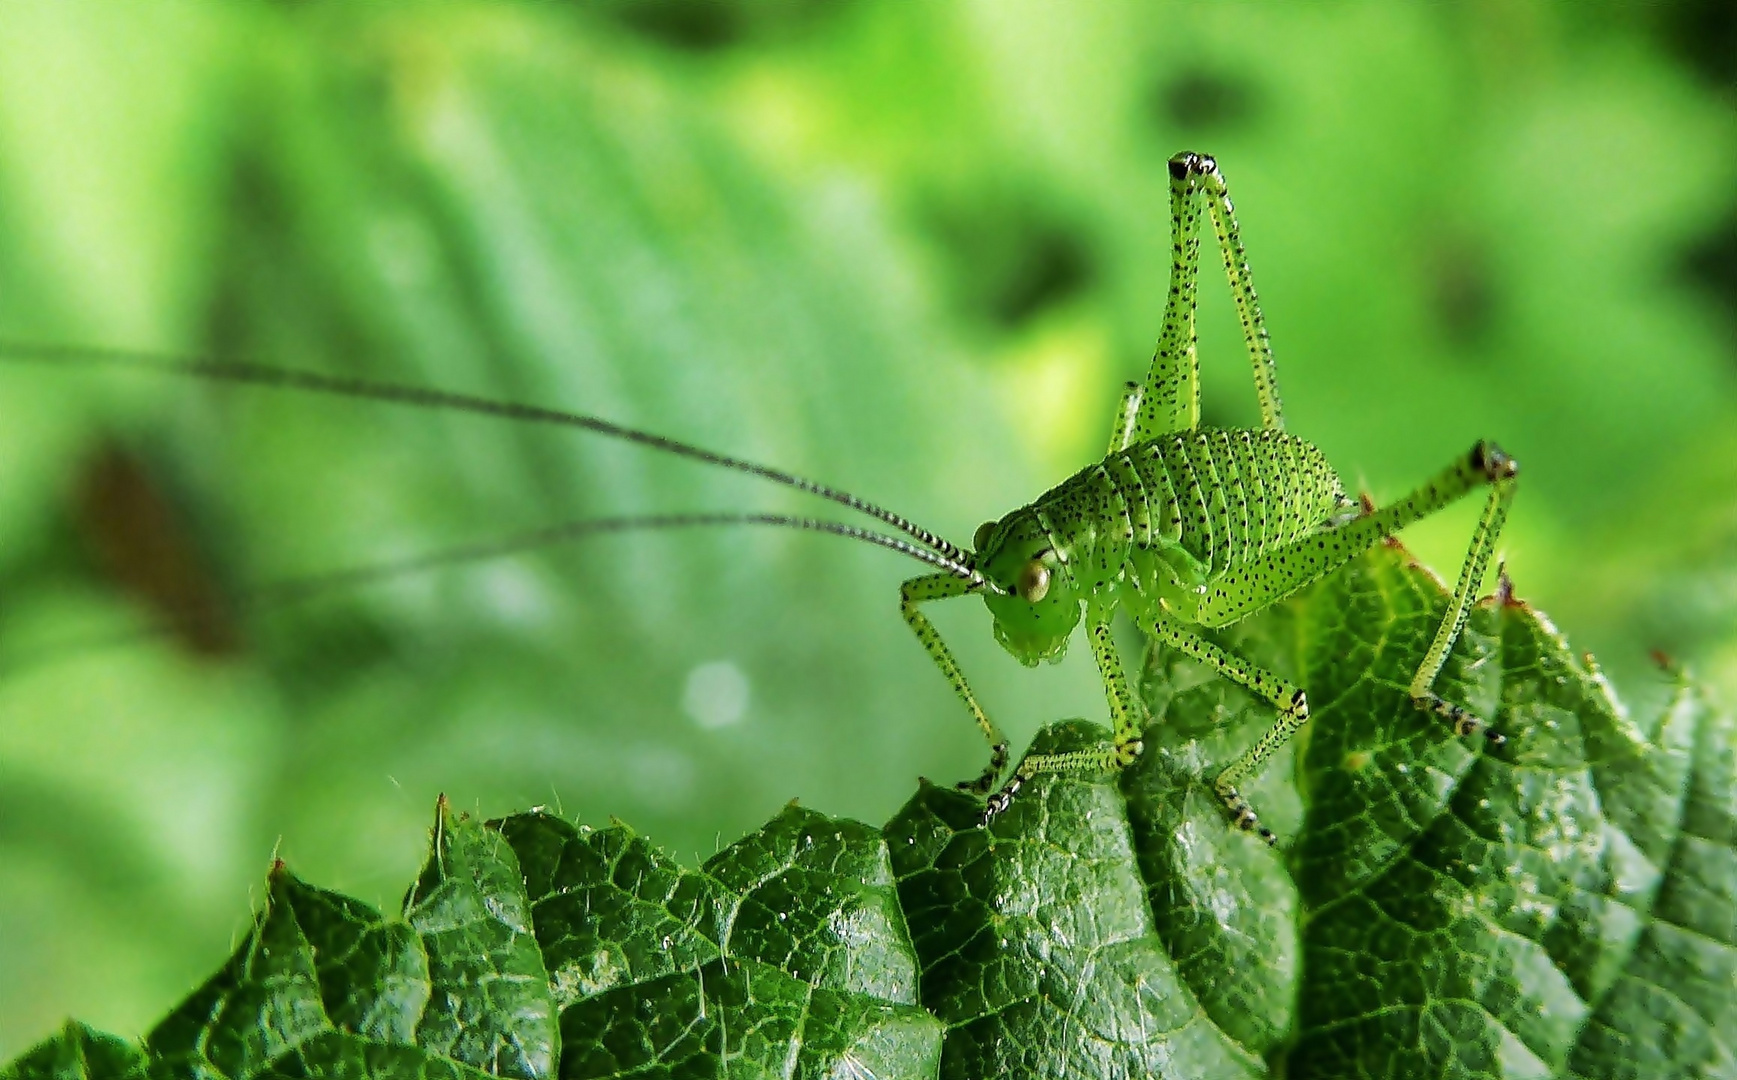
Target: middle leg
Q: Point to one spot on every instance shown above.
(1126, 713)
(1288, 698)
(1265, 581)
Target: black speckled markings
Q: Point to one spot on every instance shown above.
(1189, 527)
(1223, 496)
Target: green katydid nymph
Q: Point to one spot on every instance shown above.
(1183, 527)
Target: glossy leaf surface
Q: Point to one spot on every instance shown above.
(1565, 905)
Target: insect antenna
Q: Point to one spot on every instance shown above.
(297, 590)
(248, 372)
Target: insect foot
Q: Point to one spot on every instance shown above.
(1244, 816)
(1001, 800)
(1462, 721)
(984, 783)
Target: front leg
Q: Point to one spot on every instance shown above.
(940, 587)
(1126, 713)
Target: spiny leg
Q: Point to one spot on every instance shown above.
(1169, 399)
(1271, 578)
(1504, 475)
(1286, 697)
(1242, 291)
(1263, 582)
(1126, 714)
(920, 590)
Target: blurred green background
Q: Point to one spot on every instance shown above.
(911, 250)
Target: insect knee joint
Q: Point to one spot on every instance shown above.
(1190, 162)
(1493, 462)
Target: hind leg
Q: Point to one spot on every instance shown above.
(1169, 398)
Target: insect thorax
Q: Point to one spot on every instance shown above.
(1196, 503)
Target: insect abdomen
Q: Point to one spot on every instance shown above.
(1240, 493)
(1223, 495)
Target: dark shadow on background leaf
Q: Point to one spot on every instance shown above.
(1704, 32)
(1205, 102)
(1710, 263)
(1010, 257)
(711, 26)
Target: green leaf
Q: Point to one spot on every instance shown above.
(609, 909)
(340, 1056)
(1564, 905)
(78, 1053)
(264, 1002)
(373, 974)
(789, 942)
(1038, 947)
(492, 1005)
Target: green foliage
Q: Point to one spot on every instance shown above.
(1563, 906)
(911, 249)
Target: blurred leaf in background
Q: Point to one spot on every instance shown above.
(909, 250)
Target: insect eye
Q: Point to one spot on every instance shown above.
(1034, 581)
(982, 536)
